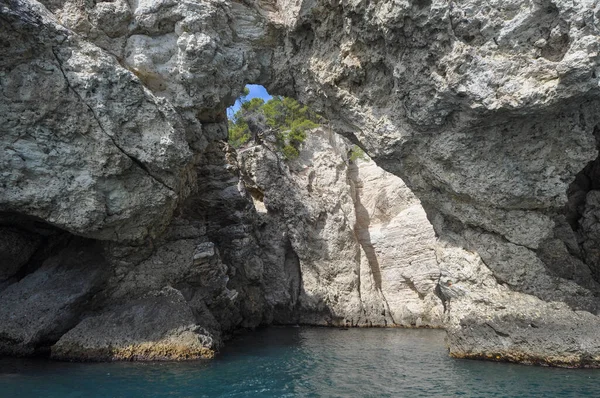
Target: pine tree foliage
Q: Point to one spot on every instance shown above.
(357, 153)
(285, 119)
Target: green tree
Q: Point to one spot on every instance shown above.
(238, 133)
(357, 153)
(285, 118)
(253, 105)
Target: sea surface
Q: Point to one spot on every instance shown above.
(303, 362)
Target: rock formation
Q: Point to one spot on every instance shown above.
(351, 244)
(111, 173)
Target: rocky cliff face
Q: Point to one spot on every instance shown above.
(320, 240)
(112, 175)
(350, 243)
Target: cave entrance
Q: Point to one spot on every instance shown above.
(582, 212)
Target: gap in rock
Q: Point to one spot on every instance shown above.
(250, 91)
(279, 123)
(583, 209)
(25, 243)
(333, 232)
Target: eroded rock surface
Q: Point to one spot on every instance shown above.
(16, 249)
(522, 328)
(86, 146)
(158, 326)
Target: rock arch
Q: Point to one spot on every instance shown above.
(487, 111)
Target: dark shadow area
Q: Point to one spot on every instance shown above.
(25, 243)
(583, 212)
(48, 288)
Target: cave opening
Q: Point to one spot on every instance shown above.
(581, 211)
(49, 278)
(25, 243)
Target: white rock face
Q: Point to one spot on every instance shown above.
(399, 245)
(347, 244)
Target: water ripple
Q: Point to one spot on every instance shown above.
(303, 362)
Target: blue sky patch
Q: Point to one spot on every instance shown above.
(256, 91)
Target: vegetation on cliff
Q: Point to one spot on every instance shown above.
(357, 153)
(281, 120)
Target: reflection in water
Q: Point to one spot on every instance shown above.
(301, 362)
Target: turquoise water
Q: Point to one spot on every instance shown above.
(303, 362)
